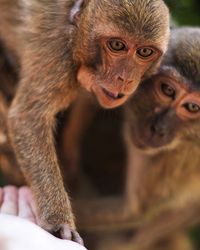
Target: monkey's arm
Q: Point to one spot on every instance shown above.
(104, 214)
(166, 224)
(31, 122)
(112, 215)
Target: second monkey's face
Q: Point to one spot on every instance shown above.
(165, 110)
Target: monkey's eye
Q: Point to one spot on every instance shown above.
(192, 107)
(116, 45)
(168, 90)
(145, 52)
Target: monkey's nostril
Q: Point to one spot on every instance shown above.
(121, 79)
(158, 130)
(120, 95)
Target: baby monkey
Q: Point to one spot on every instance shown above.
(162, 134)
(103, 46)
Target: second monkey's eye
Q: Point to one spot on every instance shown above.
(168, 90)
(145, 52)
(116, 45)
(192, 107)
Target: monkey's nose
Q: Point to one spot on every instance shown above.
(123, 80)
(159, 130)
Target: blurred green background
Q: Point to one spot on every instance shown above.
(185, 12)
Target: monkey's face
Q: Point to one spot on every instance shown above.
(168, 110)
(115, 68)
(118, 44)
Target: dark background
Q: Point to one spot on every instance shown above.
(185, 12)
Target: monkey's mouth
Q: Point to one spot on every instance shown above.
(111, 95)
(108, 99)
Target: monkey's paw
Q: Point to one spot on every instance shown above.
(66, 233)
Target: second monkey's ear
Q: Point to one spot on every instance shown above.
(76, 11)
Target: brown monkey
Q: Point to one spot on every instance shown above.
(161, 130)
(106, 47)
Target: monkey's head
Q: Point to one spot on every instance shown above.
(118, 43)
(166, 107)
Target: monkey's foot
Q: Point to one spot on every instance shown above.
(66, 233)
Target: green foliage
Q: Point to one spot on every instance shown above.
(185, 12)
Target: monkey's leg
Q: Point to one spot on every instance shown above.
(110, 214)
(8, 163)
(165, 225)
(81, 114)
(177, 241)
(136, 162)
(3, 126)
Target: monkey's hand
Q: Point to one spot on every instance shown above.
(65, 232)
(59, 221)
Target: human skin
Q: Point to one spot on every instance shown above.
(18, 220)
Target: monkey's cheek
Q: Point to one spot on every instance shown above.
(106, 101)
(85, 78)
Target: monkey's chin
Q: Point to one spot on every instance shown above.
(106, 100)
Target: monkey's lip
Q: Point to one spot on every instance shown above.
(112, 95)
(108, 99)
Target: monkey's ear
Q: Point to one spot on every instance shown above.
(76, 11)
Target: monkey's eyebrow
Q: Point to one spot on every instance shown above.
(173, 73)
(169, 70)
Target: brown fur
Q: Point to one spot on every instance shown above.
(162, 185)
(60, 47)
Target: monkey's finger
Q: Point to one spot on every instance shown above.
(69, 234)
(25, 203)
(65, 232)
(77, 238)
(10, 200)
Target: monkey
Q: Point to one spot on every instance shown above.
(161, 133)
(104, 47)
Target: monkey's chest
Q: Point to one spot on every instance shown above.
(168, 184)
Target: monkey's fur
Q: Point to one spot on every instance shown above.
(106, 47)
(161, 132)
